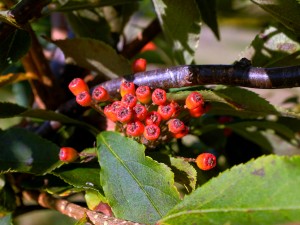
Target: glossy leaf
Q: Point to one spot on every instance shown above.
(180, 21)
(23, 151)
(245, 194)
(95, 55)
(136, 187)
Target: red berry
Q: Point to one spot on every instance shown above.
(165, 111)
(68, 154)
(151, 132)
(176, 126)
(197, 112)
(143, 94)
(194, 100)
(124, 114)
(84, 99)
(77, 85)
(176, 107)
(153, 118)
(182, 133)
(206, 161)
(127, 87)
(140, 112)
(159, 96)
(139, 65)
(135, 128)
(110, 110)
(129, 100)
(100, 94)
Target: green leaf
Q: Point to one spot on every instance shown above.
(285, 11)
(137, 188)
(274, 46)
(23, 151)
(208, 9)
(13, 47)
(95, 55)
(76, 175)
(93, 198)
(7, 197)
(263, 191)
(8, 109)
(180, 21)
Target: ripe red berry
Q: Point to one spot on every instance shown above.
(135, 128)
(153, 117)
(165, 111)
(159, 96)
(143, 94)
(197, 112)
(100, 94)
(126, 88)
(176, 107)
(206, 161)
(84, 99)
(194, 100)
(176, 126)
(129, 100)
(139, 65)
(68, 154)
(124, 114)
(77, 85)
(182, 133)
(140, 112)
(110, 110)
(151, 132)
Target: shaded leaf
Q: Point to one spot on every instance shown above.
(23, 151)
(245, 194)
(8, 109)
(136, 187)
(183, 34)
(7, 197)
(95, 55)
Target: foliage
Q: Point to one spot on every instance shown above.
(119, 175)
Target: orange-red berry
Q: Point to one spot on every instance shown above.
(197, 112)
(159, 96)
(129, 100)
(124, 114)
(110, 110)
(68, 154)
(100, 94)
(127, 87)
(77, 85)
(153, 117)
(143, 94)
(176, 126)
(206, 161)
(151, 132)
(165, 111)
(139, 65)
(194, 100)
(140, 112)
(135, 128)
(182, 133)
(84, 99)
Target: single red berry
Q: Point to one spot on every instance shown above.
(176, 107)
(150, 46)
(143, 94)
(135, 128)
(126, 88)
(140, 112)
(176, 126)
(129, 100)
(206, 161)
(77, 85)
(165, 111)
(159, 96)
(100, 94)
(182, 133)
(110, 110)
(151, 132)
(124, 114)
(84, 99)
(68, 154)
(197, 112)
(139, 65)
(194, 100)
(153, 117)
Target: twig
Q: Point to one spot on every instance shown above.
(75, 211)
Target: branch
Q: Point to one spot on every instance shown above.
(75, 211)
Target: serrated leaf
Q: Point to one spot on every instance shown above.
(136, 187)
(23, 151)
(76, 175)
(259, 192)
(13, 47)
(285, 11)
(180, 21)
(95, 55)
(274, 46)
